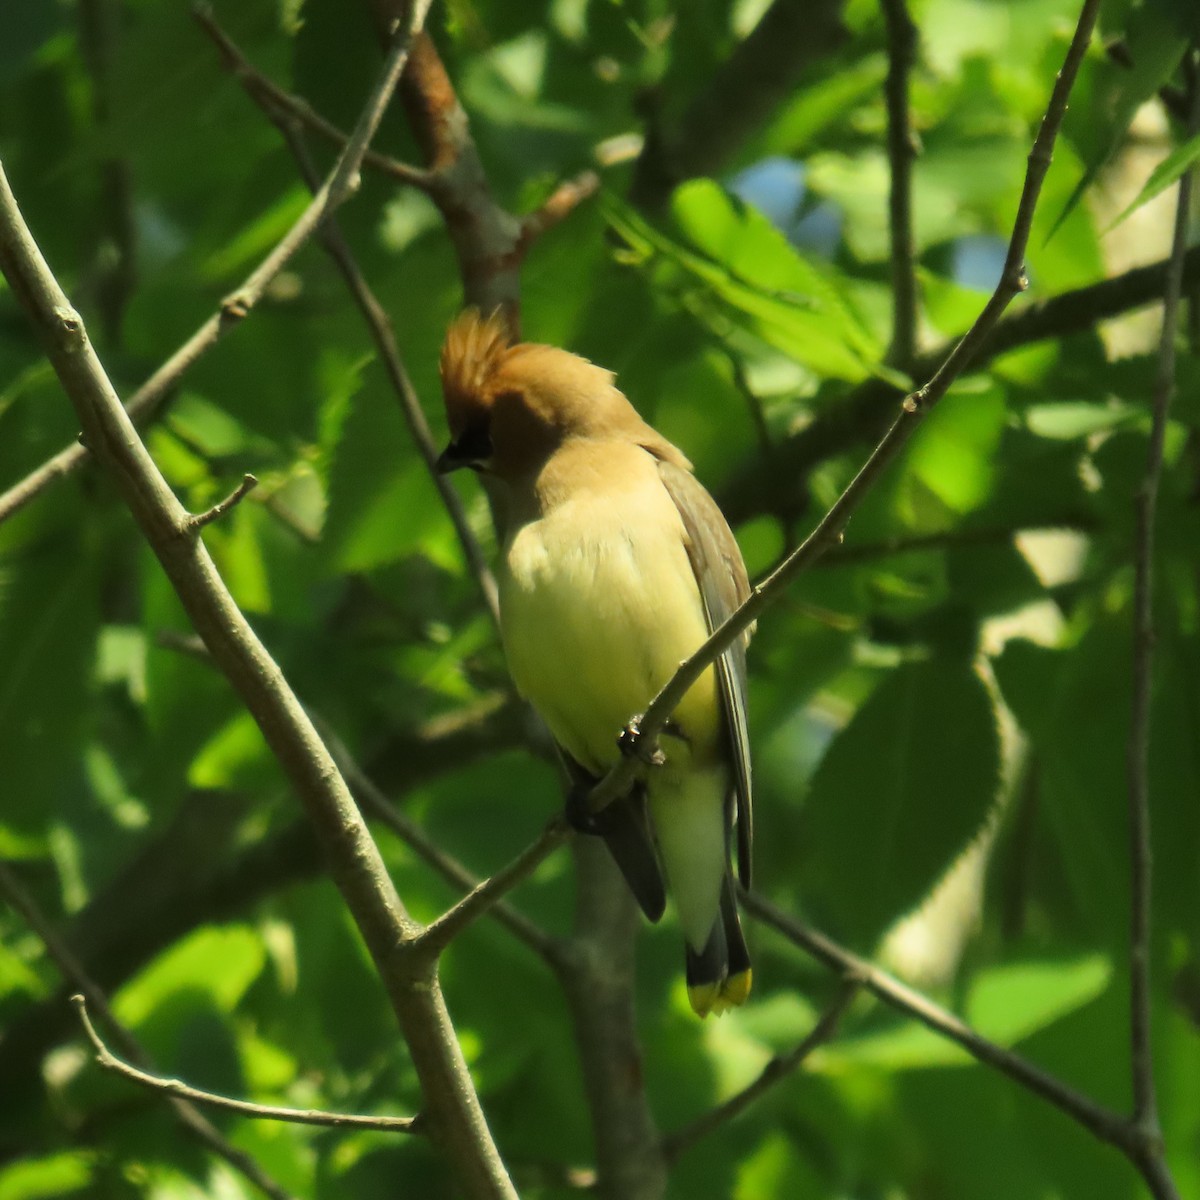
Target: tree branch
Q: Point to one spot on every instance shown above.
(779, 1068)
(380, 329)
(902, 149)
(597, 978)
(77, 976)
(483, 897)
(1145, 1106)
(379, 806)
(268, 95)
(194, 872)
(341, 183)
(642, 732)
(864, 412)
(596, 967)
(261, 1112)
(984, 535)
(218, 510)
(559, 205)
(1105, 1124)
(456, 1121)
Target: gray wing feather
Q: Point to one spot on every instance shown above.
(721, 575)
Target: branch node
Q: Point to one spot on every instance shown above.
(69, 322)
(198, 520)
(235, 307)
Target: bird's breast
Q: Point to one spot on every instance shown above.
(599, 606)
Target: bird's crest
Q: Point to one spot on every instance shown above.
(473, 352)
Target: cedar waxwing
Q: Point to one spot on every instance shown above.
(616, 565)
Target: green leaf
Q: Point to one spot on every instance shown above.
(1010, 1003)
(55, 1177)
(1165, 174)
(1156, 45)
(222, 962)
(898, 795)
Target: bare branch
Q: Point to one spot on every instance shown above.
(379, 806)
(457, 1122)
(262, 1112)
(597, 979)
(1105, 1124)
(643, 732)
(484, 896)
(902, 149)
(559, 205)
(269, 95)
(487, 241)
(863, 413)
(74, 972)
(778, 1069)
(1145, 1106)
(243, 489)
(341, 183)
(380, 329)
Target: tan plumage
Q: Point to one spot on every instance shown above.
(616, 564)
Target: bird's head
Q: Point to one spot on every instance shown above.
(510, 407)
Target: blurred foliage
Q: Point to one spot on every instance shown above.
(958, 706)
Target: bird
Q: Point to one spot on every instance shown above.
(615, 565)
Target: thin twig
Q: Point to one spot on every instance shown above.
(457, 1122)
(863, 413)
(218, 510)
(643, 732)
(1104, 1123)
(1145, 1106)
(261, 1112)
(559, 205)
(339, 185)
(902, 149)
(380, 329)
(778, 1069)
(379, 806)
(73, 971)
(484, 896)
(267, 93)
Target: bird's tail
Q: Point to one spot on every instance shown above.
(718, 978)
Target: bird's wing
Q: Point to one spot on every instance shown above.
(721, 575)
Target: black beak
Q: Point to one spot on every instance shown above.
(472, 448)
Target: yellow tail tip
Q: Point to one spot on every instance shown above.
(719, 997)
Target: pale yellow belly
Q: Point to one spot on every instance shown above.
(598, 609)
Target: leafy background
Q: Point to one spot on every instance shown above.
(938, 711)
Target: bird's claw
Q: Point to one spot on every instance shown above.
(632, 745)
